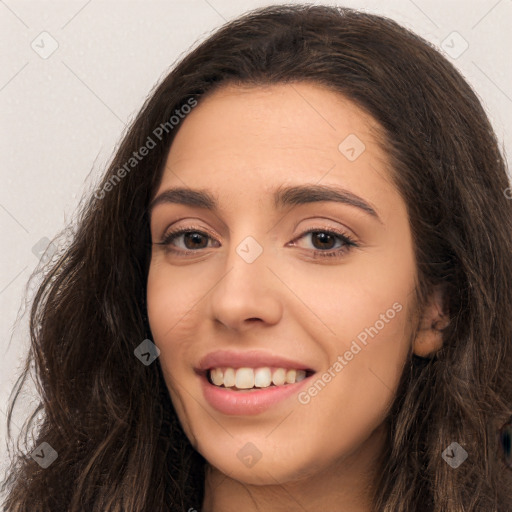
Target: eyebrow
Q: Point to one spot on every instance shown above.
(284, 196)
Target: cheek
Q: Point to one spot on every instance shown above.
(363, 313)
(173, 322)
(342, 305)
(172, 316)
(354, 395)
(171, 298)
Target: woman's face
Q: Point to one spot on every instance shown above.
(273, 281)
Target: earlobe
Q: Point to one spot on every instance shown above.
(429, 336)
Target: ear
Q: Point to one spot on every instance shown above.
(435, 318)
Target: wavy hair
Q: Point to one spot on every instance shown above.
(110, 419)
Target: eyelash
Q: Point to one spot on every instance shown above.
(349, 242)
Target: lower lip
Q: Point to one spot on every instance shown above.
(248, 403)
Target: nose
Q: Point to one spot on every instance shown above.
(248, 292)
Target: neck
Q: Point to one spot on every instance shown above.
(346, 485)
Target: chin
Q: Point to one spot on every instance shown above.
(240, 461)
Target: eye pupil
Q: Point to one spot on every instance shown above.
(323, 238)
(195, 237)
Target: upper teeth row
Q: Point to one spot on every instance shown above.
(246, 378)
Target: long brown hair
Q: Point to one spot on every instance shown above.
(109, 417)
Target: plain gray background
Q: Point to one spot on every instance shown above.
(74, 73)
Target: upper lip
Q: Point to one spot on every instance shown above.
(248, 359)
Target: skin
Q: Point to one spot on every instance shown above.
(240, 143)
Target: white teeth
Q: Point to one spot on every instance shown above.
(229, 378)
(217, 376)
(247, 378)
(290, 376)
(279, 377)
(262, 377)
(244, 378)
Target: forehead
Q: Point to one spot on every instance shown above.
(242, 139)
(300, 116)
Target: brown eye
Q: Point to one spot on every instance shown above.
(325, 240)
(192, 240)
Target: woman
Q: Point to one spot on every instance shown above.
(201, 345)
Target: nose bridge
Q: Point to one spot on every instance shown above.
(247, 262)
(245, 290)
(249, 249)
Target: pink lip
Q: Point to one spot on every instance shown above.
(248, 359)
(247, 403)
(228, 401)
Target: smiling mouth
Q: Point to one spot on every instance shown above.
(253, 379)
